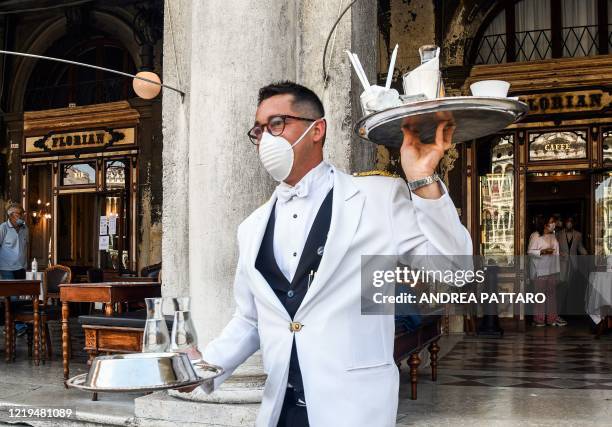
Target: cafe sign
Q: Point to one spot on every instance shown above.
(78, 141)
(558, 145)
(567, 102)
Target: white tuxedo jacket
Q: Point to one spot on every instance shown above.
(346, 359)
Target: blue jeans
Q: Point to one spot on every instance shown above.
(12, 275)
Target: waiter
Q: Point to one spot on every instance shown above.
(298, 284)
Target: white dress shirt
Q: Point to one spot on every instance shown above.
(296, 209)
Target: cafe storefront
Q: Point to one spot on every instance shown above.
(80, 151)
(557, 161)
(79, 185)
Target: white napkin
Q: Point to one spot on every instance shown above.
(377, 98)
(424, 79)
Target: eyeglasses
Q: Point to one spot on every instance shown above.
(275, 125)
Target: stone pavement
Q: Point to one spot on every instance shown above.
(23, 383)
(545, 377)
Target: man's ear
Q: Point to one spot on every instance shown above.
(320, 131)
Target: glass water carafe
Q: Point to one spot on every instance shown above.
(184, 338)
(155, 338)
(428, 52)
(181, 303)
(431, 73)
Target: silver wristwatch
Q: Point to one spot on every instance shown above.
(422, 182)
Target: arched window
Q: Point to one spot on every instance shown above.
(531, 30)
(56, 85)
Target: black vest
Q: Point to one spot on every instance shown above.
(292, 294)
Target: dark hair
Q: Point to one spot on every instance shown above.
(302, 96)
(542, 221)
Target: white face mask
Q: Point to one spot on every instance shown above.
(276, 153)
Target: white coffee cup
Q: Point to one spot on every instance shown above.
(494, 88)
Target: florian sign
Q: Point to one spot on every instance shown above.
(568, 102)
(85, 140)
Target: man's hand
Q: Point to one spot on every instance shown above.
(421, 160)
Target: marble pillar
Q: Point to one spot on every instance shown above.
(221, 53)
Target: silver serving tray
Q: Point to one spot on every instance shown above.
(473, 116)
(143, 372)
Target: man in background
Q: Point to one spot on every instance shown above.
(570, 245)
(13, 250)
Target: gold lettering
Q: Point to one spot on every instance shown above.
(595, 99)
(556, 147)
(557, 102)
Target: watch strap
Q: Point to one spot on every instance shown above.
(422, 182)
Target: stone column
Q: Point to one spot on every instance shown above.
(212, 175)
(175, 155)
(213, 179)
(358, 33)
(237, 47)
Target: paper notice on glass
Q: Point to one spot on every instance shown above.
(103, 243)
(112, 225)
(103, 225)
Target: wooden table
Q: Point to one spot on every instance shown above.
(13, 288)
(108, 293)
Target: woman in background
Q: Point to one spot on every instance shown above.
(545, 267)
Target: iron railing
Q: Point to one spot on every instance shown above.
(537, 44)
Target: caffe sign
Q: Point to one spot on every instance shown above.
(568, 102)
(82, 140)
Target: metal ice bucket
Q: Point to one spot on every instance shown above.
(143, 371)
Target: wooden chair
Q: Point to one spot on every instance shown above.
(54, 276)
(152, 271)
(95, 275)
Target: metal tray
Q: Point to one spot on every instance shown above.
(143, 372)
(474, 117)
